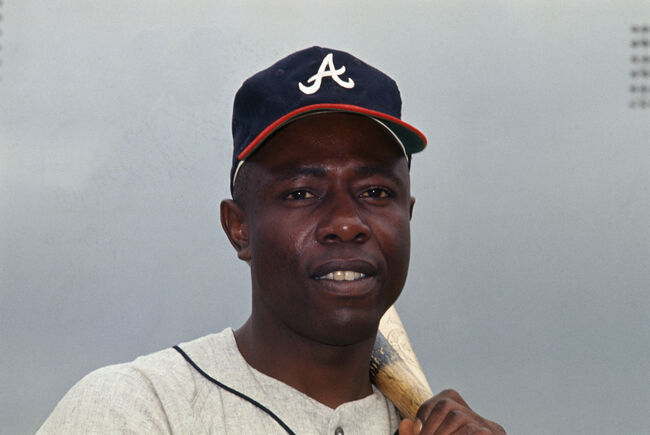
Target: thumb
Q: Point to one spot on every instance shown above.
(410, 427)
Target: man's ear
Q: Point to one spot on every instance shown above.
(235, 225)
(411, 207)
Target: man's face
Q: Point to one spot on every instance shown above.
(328, 213)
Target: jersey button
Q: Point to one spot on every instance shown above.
(339, 431)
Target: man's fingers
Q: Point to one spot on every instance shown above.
(456, 421)
(473, 429)
(451, 399)
(448, 413)
(433, 412)
(453, 395)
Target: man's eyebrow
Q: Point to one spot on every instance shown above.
(385, 171)
(302, 171)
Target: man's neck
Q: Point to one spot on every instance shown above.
(332, 375)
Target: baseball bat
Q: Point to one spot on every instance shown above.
(395, 369)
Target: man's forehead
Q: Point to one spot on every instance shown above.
(325, 169)
(331, 171)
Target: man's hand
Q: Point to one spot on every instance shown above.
(448, 413)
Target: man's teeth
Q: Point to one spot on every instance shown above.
(343, 275)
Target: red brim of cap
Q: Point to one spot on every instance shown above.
(413, 139)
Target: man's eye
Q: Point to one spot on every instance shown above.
(299, 194)
(376, 192)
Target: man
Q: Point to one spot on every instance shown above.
(320, 211)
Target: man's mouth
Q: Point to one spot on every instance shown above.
(348, 270)
(347, 278)
(342, 275)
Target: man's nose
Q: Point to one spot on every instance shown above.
(342, 222)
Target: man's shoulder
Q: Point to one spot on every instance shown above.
(169, 361)
(138, 394)
(165, 366)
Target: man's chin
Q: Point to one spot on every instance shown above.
(347, 327)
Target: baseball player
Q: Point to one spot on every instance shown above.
(320, 210)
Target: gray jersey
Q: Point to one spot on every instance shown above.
(163, 393)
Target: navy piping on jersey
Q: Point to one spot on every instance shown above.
(239, 394)
(235, 392)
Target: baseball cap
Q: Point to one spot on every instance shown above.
(316, 79)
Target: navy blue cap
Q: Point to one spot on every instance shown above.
(314, 80)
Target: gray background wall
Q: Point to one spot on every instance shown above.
(529, 285)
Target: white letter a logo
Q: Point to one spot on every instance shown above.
(326, 69)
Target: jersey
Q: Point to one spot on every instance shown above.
(166, 393)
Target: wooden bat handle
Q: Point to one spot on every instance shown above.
(394, 368)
